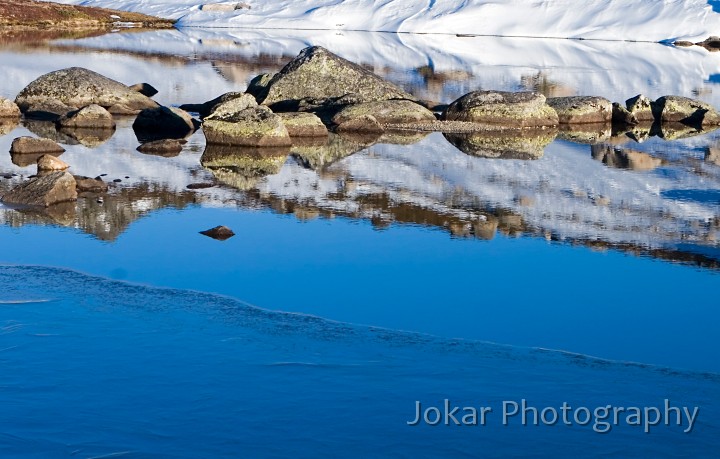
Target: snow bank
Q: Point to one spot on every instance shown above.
(645, 20)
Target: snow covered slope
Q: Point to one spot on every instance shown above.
(646, 20)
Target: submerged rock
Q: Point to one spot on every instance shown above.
(303, 125)
(43, 191)
(505, 109)
(79, 87)
(582, 109)
(163, 123)
(9, 109)
(164, 147)
(252, 127)
(320, 74)
(90, 185)
(51, 163)
(93, 117)
(386, 112)
(685, 110)
(640, 107)
(524, 144)
(32, 145)
(220, 233)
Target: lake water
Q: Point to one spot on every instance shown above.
(366, 274)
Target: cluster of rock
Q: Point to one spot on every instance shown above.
(315, 95)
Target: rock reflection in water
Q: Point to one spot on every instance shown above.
(591, 133)
(242, 167)
(63, 214)
(91, 138)
(511, 144)
(7, 125)
(336, 147)
(624, 158)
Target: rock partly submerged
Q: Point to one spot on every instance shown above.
(32, 145)
(92, 116)
(582, 109)
(503, 109)
(685, 110)
(43, 191)
(252, 127)
(78, 87)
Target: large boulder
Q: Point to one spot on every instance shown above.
(506, 109)
(320, 74)
(92, 117)
(32, 145)
(685, 110)
(163, 123)
(303, 125)
(8, 109)
(79, 87)
(252, 127)
(43, 191)
(582, 109)
(386, 112)
(640, 107)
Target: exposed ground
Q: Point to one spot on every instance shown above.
(30, 14)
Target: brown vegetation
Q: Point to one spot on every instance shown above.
(31, 14)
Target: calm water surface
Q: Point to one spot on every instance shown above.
(366, 274)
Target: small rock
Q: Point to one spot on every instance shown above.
(51, 163)
(163, 123)
(43, 191)
(32, 145)
(8, 109)
(117, 180)
(683, 43)
(220, 233)
(163, 147)
(711, 43)
(93, 116)
(641, 107)
(146, 89)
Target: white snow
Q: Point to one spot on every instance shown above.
(646, 20)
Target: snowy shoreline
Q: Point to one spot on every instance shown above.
(633, 20)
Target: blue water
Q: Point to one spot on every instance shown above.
(108, 368)
(520, 291)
